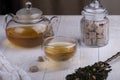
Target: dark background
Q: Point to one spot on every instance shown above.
(50, 7)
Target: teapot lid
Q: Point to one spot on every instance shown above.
(28, 14)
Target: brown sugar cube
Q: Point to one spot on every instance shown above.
(33, 69)
(99, 30)
(86, 31)
(97, 24)
(88, 41)
(92, 35)
(86, 36)
(89, 23)
(100, 36)
(90, 27)
(100, 41)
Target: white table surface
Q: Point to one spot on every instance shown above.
(69, 26)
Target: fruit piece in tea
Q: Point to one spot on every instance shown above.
(26, 36)
(60, 51)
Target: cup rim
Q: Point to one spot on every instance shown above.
(61, 37)
(74, 41)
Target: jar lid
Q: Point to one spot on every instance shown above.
(28, 14)
(95, 7)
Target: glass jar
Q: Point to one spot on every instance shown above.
(94, 25)
(28, 28)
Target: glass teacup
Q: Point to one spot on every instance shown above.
(60, 48)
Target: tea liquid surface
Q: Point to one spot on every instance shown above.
(26, 36)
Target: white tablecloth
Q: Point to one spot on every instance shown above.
(69, 26)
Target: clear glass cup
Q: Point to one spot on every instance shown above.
(60, 48)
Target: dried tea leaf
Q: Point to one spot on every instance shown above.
(33, 69)
(97, 71)
(40, 59)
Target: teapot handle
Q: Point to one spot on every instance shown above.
(55, 22)
(6, 19)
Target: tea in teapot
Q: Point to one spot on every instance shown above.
(27, 36)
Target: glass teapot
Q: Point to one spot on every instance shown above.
(28, 28)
